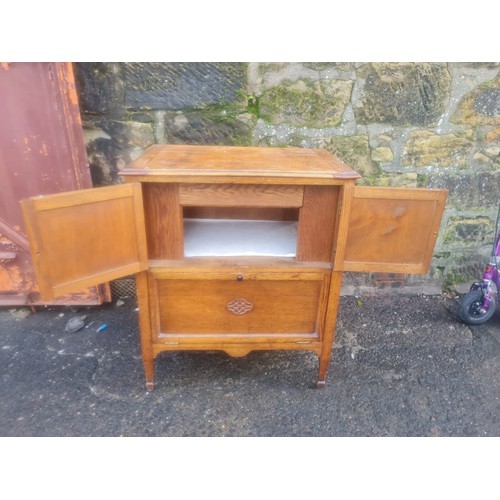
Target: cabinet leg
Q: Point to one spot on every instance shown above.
(149, 371)
(324, 361)
(329, 327)
(148, 360)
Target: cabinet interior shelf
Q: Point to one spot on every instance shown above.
(229, 237)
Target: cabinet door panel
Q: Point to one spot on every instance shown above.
(86, 237)
(393, 229)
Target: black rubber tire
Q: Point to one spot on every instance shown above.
(470, 304)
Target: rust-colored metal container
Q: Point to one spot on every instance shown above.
(42, 151)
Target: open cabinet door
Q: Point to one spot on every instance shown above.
(85, 237)
(393, 230)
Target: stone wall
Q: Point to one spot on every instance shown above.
(398, 124)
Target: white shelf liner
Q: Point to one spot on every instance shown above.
(224, 237)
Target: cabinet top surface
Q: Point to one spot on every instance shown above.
(175, 163)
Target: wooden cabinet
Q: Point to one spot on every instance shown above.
(234, 249)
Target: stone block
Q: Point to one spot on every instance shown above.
(458, 265)
(306, 103)
(481, 158)
(493, 150)
(468, 190)
(409, 179)
(481, 106)
(382, 154)
(180, 86)
(425, 148)
(479, 65)
(403, 93)
(493, 135)
(354, 151)
(97, 90)
(468, 231)
(385, 138)
(129, 133)
(215, 127)
(141, 117)
(324, 66)
(107, 157)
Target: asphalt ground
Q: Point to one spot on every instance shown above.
(401, 366)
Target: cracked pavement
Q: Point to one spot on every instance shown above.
(401, 366)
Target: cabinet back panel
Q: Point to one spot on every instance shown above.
(242, 213)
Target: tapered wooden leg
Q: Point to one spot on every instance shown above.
(324, 361)
(329, 327)
(141, 281)
(149, 372)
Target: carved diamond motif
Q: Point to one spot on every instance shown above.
(239, 306)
